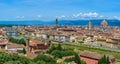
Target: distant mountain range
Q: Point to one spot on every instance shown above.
(112, 22)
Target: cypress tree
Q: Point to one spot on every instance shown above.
(24, 51)
(104, 60)
(77, 59)
(59, 47)
(108, 62)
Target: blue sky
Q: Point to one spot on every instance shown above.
(62, 9)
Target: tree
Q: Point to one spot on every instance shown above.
(17, 41)
(24, 50)
(60, 54)
(83, 62)
(52, 47)
(77, 59)
(69, 59)
(13, 59)
(108, 62)
(41, 62)
(59, 47)
(22, 41)
(48, 39)
(57, 54)
(45, 58)
(48, 36)
(104, 60)
(13, 62)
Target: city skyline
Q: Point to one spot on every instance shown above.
(62, 9)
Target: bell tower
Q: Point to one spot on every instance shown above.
(56, 21)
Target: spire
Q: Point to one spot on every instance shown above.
(89, 25)
(27, 46)
(56, 22)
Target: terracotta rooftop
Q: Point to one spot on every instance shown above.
(35, 42)
(90, 55)
(29, 29)
(13, 45)
(104, 23)
(67, 29)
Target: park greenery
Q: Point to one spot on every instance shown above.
(116, 54)
(59, 52)
(17, 41)
(43, 59)
(15, 59)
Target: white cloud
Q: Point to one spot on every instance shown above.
(39, 16)
(89, 14)
(116, 17)
(101, 16)
(77, 15)
(20, 17)
(62, 16)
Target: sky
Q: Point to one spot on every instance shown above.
(62, 9)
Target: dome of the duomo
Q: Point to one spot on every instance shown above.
(104, 23)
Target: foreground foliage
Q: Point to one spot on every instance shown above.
(8, 58)
(15, 59)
